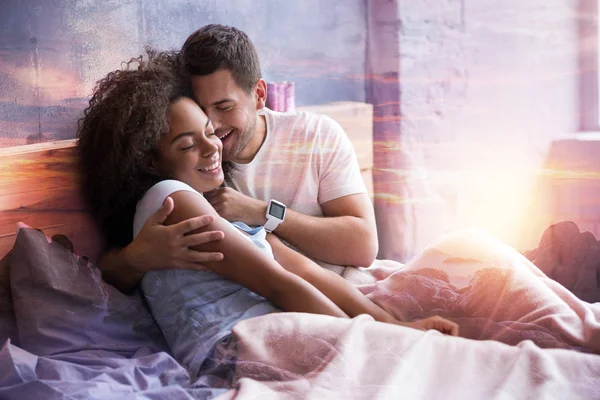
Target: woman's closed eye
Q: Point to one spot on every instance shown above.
(189, 147)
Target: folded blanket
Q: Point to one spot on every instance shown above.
(492, 291)
(300, 356)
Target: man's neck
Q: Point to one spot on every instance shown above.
(257, 139)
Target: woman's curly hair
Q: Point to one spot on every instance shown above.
(119, 135)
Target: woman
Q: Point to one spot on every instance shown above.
(143, 139)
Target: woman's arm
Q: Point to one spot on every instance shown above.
(344, 294)
(339, 290)
(247, 265)
(158, 247)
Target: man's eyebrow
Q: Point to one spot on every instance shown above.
(217, 103)
(182, 135)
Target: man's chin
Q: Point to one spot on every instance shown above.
(231, 154)
(225, 157)
(228, 153)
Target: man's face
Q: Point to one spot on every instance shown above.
(233, 112)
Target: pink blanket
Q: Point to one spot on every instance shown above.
(518, 328)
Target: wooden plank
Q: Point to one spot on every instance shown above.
(40, 219)
(55, 159)
(36, 184)
(63, 198)
(37, 148)
(25, 171)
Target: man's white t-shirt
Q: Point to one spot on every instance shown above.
(306, 160)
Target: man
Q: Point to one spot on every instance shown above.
(296, 174)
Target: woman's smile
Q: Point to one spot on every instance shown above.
(214, 169)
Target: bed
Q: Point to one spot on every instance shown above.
(38, 184)
(67, 334)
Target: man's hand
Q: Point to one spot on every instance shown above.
(163, 247)
(235, 206)
(437, 323)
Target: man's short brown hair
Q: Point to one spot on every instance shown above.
(214, 47)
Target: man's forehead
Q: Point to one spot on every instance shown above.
(220, 78)
(212, 88)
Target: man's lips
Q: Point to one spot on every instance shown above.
(223, 135)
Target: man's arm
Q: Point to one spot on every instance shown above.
(117, 271)
(159, 247)
(347, 235)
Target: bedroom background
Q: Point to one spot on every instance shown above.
(476, 102)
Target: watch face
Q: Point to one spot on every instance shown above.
(276, 210)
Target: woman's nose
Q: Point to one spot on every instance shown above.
(208, 148)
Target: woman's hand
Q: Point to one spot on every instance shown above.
(165, 247)
(158, 246)
(437, 323)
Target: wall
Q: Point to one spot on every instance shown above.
(52, 51)
(485, 86)
(469, 94)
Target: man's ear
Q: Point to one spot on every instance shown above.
(260, 94)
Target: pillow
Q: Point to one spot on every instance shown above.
(8, 323)
(62, 305)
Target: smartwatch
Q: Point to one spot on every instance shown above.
(275, 215)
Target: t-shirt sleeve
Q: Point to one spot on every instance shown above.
(154, 199)
(339, 172)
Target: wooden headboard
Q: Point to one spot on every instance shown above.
(39, 186)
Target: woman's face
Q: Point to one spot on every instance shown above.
(190, 152)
